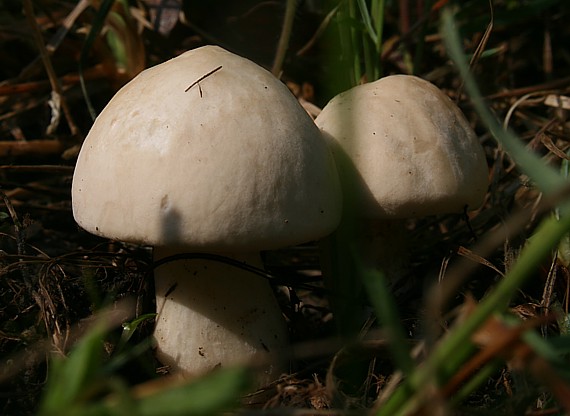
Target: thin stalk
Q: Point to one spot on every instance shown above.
(373, 22)
(96, 27)
(378, 20)
(57, 91)
(284, 38)
(370, 66)
(367, 20)
(420, 45)
(356, 50)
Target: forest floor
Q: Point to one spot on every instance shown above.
(55, 276)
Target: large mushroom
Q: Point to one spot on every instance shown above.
(404, 150)
(208, 152)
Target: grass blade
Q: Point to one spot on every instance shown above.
(545, 177)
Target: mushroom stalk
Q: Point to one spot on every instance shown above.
(378, 244)
(384, 246)
(212, 314)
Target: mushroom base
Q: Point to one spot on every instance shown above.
(384, 245)
(374, 244)
(211, 314)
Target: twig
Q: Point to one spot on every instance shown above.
(202, 78)
(65, 170)
(319, 32)
(480, 47)
(96, 72)
(21, 247)
(66, 25)
(55, 86)
(18, 229)
(284, 38)
(26, 148)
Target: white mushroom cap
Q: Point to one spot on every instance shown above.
(234, 160)
(412, 151)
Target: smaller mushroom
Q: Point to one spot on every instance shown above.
(404, 150)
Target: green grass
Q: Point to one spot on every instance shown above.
(85, 384)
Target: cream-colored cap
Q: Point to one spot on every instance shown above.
(407, 147)
(232, 163)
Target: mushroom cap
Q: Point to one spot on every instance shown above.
(407, 149)
(231, 164)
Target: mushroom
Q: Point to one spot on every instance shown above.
(404, 150)
(208, 152)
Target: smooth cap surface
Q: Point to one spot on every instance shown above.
(231, 163)
(407, 148)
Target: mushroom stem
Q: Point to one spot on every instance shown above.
(384, 246)
(211, 314)
(378, 244)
